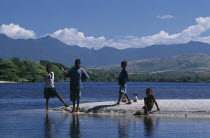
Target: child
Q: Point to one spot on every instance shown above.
(123, 78)
(149, 102)
(49, 89)
(76, 74)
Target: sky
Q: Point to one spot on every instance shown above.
(116, 23)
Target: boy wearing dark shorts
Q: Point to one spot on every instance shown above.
(76, 74)
(49, 89)
(123, 78)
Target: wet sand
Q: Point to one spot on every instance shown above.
(169, 108)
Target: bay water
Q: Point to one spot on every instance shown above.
(22, 108)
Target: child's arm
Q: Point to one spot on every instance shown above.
(42, 74)
(84, 74)
(62, 69)
(156, 103)
(126, 76)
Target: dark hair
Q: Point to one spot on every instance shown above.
(49, 66)
(148, 90)
(124, 62)
(77, 61)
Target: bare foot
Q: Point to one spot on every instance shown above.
(73, 110)
(147, 113)
(77, 110)
(47, 110)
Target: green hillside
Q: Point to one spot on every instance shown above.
(187, 68)
(195, 63)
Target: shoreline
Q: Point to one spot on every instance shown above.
(169, 108)
(110, 81)
(8, 82)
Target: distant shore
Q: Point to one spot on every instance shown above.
(8, 82)
(169, 108)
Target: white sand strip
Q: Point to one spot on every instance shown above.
(7, 82)
(173, 108)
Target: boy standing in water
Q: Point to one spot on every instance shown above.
(123, 78)
(76, 74)
(49, 89)
(149, 102)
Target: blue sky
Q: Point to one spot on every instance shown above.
(103, 20)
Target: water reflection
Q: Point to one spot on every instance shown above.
(49, 127)
(75, 126)
(149, 125)
(122, 128)
(70, 126)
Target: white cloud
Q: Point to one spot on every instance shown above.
(167, 16)
(192, 33)
(72, 36)
(16, 32)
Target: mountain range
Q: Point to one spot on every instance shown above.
(51, 49)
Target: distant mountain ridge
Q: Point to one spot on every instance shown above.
(48, 48)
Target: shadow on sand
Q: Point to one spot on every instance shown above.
(98, 108)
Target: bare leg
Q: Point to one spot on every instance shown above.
(47, 102)
(77, 110)
(73, 106)
(120, 96)
(146, 110)
(129, 101)
(61, 99)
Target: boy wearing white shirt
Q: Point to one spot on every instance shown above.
(49, 89)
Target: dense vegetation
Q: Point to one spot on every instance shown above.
(25, 71)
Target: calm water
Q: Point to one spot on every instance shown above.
(23, 115)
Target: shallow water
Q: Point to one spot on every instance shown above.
(23, 115)
(37, 123)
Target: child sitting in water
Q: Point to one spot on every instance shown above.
(149, 102)
(49, 90)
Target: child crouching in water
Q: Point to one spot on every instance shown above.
(49, 89)
(149, 102)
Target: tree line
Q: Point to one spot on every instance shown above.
(14, 69)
